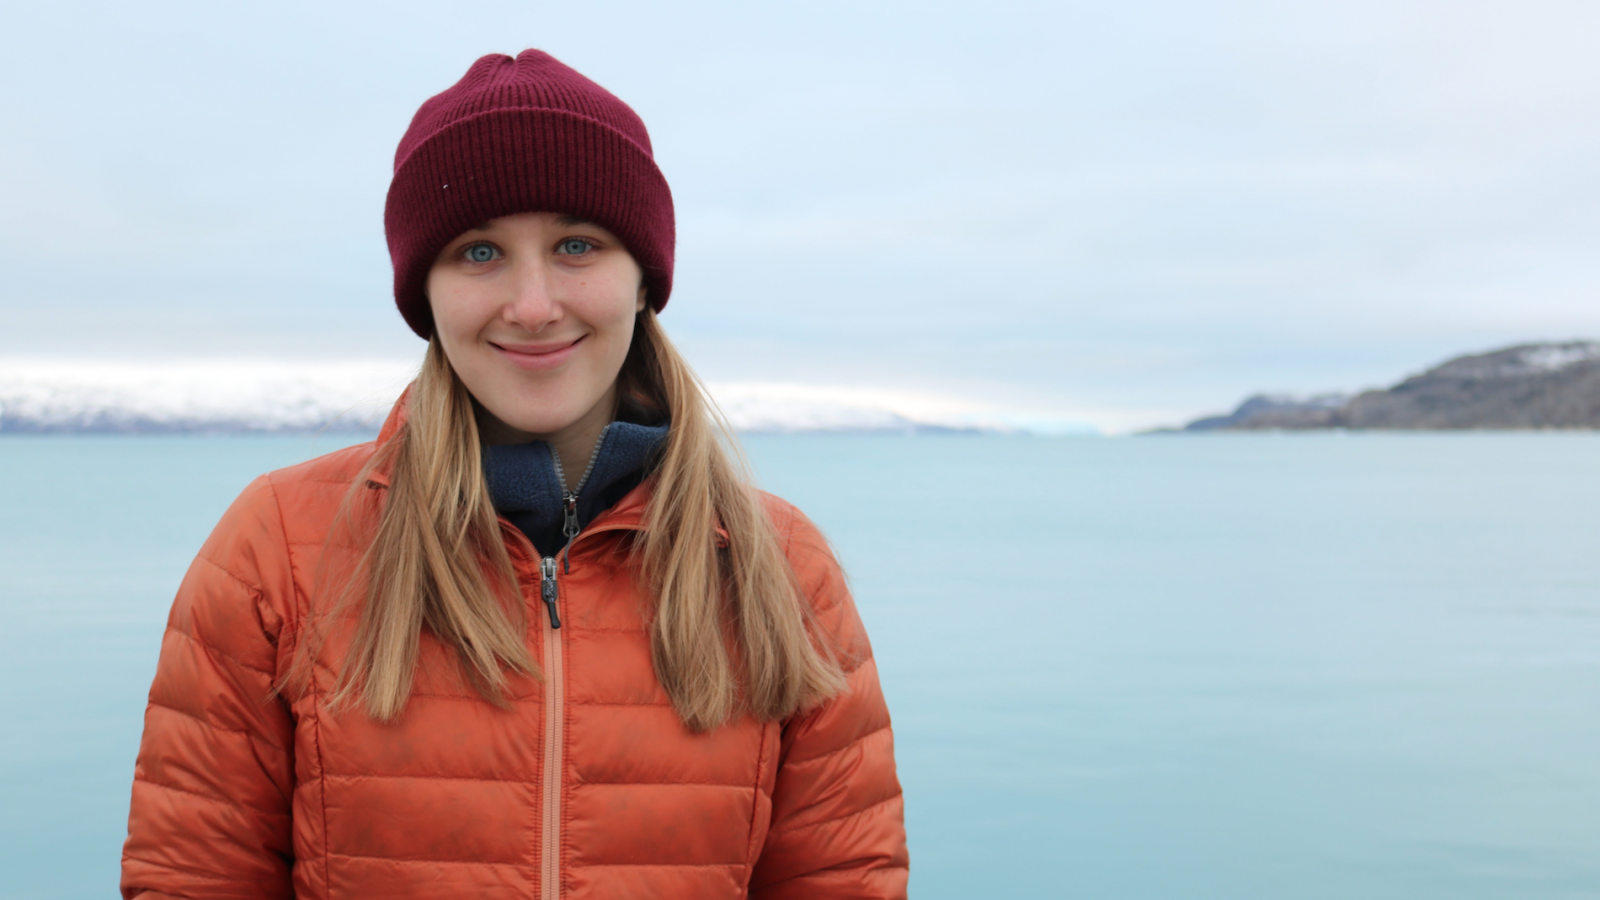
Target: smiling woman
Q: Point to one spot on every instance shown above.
(540, 638)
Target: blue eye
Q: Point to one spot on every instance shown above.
(482, 253)
(574, 247)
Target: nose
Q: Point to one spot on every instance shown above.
(532, 303)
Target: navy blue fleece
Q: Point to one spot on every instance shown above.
(526, 490)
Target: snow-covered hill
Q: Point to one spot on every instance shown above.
(217, 396)
(203, 396)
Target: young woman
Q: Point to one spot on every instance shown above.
(538, 639)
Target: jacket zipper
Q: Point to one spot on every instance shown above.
(554, 738)
(554, 682)
(554, 721)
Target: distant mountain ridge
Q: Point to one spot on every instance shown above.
(61, 396)
(1552, 385)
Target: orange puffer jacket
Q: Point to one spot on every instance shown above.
(587, 786)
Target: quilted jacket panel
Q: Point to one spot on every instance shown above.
(240, 792)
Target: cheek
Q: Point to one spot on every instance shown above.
(456, 315)
(609, 308)
(619, 331)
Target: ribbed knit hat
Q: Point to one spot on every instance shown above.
(523, 135)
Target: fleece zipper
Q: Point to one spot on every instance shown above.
(569, 499)
(569, 528)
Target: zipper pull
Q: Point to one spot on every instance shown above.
(569, 527)
(547, 588)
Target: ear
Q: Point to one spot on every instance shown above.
(638, 305)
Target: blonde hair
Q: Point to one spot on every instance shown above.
(729, 629)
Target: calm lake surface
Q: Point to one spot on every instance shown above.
(1254, 666)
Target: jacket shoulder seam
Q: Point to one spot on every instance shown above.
(256, 593)
(319, 479)
(838, 750)
(255, 590)
(220, 654)
(350, 547)
(225, 801)
(849, 815)
(223, 879)
(213, 725)
(293, 606)
(792, 517)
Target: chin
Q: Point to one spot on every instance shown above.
(543, 421)
(530, 415)
(540, 407)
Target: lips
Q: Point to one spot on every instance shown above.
(544, 355)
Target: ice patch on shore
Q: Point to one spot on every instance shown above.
(226, 396)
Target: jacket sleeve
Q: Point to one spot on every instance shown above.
(837, 827)
(210, 815)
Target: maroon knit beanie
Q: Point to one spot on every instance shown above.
(523, 135)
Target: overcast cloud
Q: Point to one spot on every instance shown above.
(1125, 213)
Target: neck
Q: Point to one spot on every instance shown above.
(573, 445)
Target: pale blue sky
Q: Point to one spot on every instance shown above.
(1124, 212)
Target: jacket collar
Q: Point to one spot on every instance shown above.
(626, 513)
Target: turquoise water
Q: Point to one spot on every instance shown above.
(1303, 666)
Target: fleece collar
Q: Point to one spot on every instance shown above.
(526, 489)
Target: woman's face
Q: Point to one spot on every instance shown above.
(535, 312)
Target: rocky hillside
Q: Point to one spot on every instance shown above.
(1550, 385)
